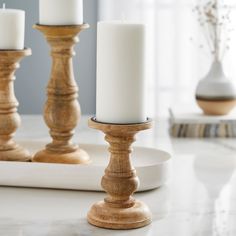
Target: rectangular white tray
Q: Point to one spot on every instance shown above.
(153, 168)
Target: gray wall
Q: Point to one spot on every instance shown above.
(32, 77)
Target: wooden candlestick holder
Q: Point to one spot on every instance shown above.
(120, 210)
(9, 118)
(62, 110)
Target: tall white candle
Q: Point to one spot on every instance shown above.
(12, 29)
(61, 12)
(120, 73)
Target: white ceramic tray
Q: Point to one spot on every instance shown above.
(153, 168)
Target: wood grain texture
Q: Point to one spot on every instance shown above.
(120, 210)
(9, 118)
(62, 109)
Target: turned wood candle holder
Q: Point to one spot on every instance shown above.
(120, 210)
(62, 110)
(9, 118)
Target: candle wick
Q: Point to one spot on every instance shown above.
(4, 6)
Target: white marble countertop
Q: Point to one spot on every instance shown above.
(200, 199)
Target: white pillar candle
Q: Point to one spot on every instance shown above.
(12, 29)
(120, 73)
(61, 12)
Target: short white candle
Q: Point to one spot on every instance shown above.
(61, 12)
(121, 73)
(12, 29)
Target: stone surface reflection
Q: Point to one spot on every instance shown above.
(215, 173)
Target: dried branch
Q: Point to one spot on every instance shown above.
(214, 19)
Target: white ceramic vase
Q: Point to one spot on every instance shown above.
(216, 94)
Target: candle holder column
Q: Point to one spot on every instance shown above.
(62, 110)
(9, 118)
(120, 210)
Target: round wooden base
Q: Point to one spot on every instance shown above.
(16, 154)
(216, 107)
(78, 156)
(103, 215)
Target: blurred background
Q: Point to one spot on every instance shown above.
(175, 60)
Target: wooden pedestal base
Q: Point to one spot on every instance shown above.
(216, 107)
(9, 118)
(105, 216)
(62, 109)
(120, 210)
(78, 156)
(18, 153)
